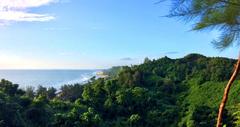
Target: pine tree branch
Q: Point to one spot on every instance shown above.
(229, 2)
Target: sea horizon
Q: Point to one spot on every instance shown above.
(47, 77)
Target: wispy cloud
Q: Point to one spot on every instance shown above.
(18, 11)
(126, 59)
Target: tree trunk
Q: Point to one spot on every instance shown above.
(226, 92)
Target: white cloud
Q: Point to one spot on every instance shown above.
(16, 11)
(24, 16)
(18, 4)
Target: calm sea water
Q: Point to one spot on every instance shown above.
(47, 78)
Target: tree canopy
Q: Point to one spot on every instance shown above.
(164, 92)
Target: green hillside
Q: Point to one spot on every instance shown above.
(166, 92)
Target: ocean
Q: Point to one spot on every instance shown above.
(47, 78)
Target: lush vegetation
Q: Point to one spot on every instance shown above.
(220, 15)
(166, 92)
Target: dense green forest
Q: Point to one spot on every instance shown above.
(166, 92)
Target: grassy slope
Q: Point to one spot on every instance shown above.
(210, 93)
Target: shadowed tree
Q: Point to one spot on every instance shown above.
(30, 91)
(221, 15)
(41, 91)
(51, 92)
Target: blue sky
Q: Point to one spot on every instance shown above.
(90, 34)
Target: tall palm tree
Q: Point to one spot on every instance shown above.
(221, 15)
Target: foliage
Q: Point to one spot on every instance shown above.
(165, 92)
(222, 15)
